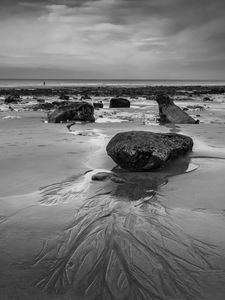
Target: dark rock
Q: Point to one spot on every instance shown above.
(185, 109)
(119, 102)
(12, 99)
(75, 111)
(101, 176)
(170, 112)
(143, 150)
(216, 90)
(207, 99)
(41, 100)
(85, 97)
(98, 104)
(64, 97)
(57, 103)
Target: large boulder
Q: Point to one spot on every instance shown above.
(119, 102)
(171, 113)
(143, 150)
(77, 111)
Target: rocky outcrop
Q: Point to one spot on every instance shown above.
(119, 102)
(171, 113)
(143, 150)
(76, 111)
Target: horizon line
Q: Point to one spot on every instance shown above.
(111, 79)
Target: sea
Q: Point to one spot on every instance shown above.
(33, 83)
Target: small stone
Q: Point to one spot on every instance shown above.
(101, 176)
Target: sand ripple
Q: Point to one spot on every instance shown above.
(124, 247)
(115, 249)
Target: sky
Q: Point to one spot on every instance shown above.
(112, 39)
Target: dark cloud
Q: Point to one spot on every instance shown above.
(178, 14)
(9, 8)
(162, 34)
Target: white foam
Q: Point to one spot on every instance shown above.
(92, 132)
(4, 107)
(11, 117)
(108, 120)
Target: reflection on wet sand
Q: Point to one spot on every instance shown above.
(123, 243)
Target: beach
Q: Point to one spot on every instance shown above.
(159, 235)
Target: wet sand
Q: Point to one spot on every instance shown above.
(158, 235)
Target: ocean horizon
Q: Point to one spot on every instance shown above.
(19, 83)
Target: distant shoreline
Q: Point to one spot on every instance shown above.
(113, 90)
(76, 83)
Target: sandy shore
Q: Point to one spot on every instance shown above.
(158, 236)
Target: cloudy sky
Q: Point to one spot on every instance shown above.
(130, 39)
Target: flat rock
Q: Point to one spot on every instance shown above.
(171, 113)
(143, 150)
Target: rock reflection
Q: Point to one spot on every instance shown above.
(138, 184)
(122, 249)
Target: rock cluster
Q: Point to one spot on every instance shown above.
(15, 98)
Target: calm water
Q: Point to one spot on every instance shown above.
(102, 82)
